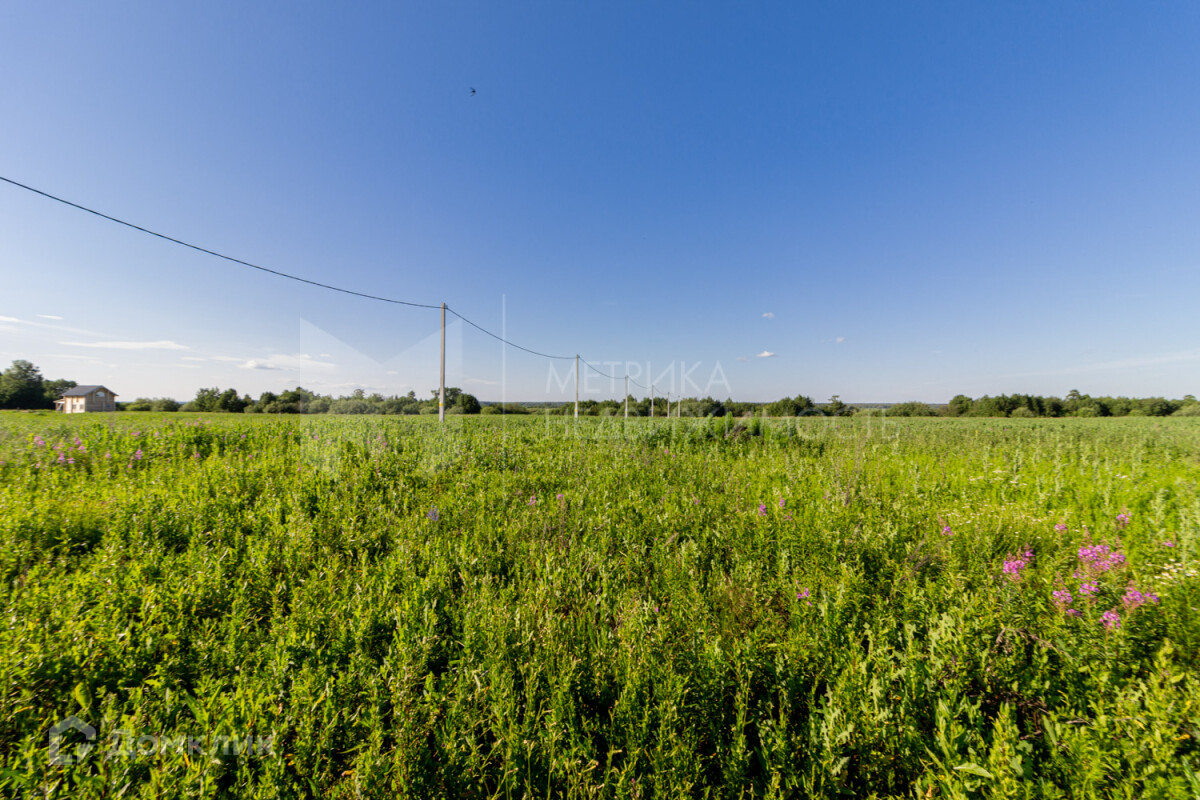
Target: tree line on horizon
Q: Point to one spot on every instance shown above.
(22, 386)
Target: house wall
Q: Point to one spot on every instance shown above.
(90, 403)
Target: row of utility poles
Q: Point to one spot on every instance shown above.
(442, 385)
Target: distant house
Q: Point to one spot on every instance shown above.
(86, 398)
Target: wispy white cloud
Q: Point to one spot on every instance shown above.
(769, 315)
(481, 382)
(194, 358)
(765, 354)
(840, 339)
(49, 316)
(77, 357)
(298, 361)
(743, 358)
(9, 319)
(164, 344)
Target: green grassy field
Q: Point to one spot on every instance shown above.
(544, 608)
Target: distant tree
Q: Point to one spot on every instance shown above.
(230, 401)
(350, 405)
(959, 406)
(468, 403)
(836, 408)
(205, 400)
(21, 386)
(53, 390)
(912, 409)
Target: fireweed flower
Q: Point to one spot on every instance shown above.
(432, 516)
(803, 594)
(1099, 558)
(1061, 527)
(1014, 565)
(1062, 599)
(1088, 589)
(782, 503)
(1135, 599)
(1123, 519)
(947, 530)
(1112, 619)
(138, 455)
(533, 500)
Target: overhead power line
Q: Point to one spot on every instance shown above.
(297, 278)
(215, 253)
(502, 339)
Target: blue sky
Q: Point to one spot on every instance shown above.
(897, 201)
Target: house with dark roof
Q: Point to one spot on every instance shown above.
(86, 398)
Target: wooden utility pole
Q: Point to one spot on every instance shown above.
(626, 397)
(442, 381)
(576, 386)
(652, 401)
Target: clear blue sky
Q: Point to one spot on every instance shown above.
(929, 198)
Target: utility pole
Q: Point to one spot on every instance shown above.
(442, 381)
(576, 386)
(652, 401)
(626, 396)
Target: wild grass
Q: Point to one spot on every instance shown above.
(550, 608)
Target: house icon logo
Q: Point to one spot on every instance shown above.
(60, 749)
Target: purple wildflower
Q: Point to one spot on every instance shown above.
(1100, 558)
(803, 594)
(947, 530)
(38, 441)
(1061, 527)
(137, 456)
(1013, 565)
(1134, 599)
(1088, 589)
(1112, 619)
(1062, 599)
(433, 515)
(782, 503)
(1123, 519)
(1168, 544)
(533, 500)
(762, 509)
